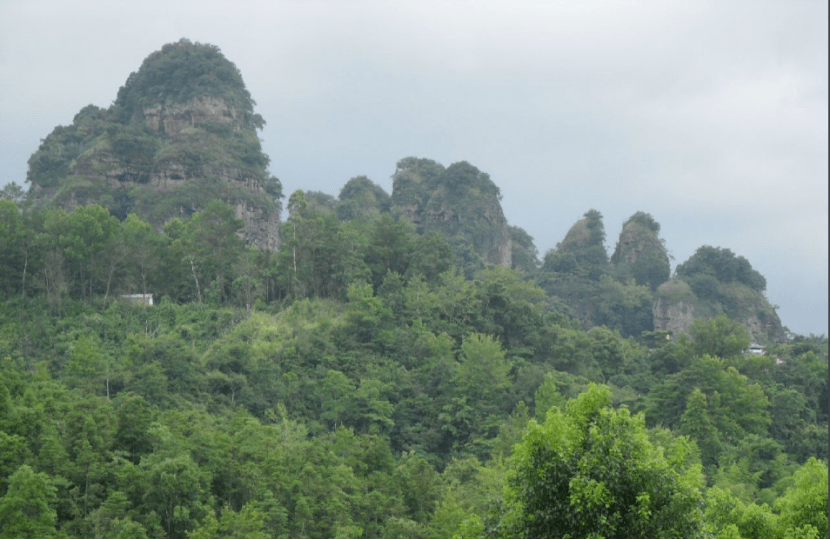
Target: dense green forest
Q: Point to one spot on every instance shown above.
(398, 365)
(357, 383)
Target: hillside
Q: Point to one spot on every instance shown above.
(390, 366)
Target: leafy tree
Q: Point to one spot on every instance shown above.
(88, 237)
(729, 517)
(646, 220)
(212, 247)
(175, 491)
(13, 192)
(13, 244)
(696, 423)
(431, 256)
(719, 337)
(419, 485)
(89, 369)
(803, 508)
(142, 247)
(134, 418)
(247, 523)
(723, 265)
(26, 509)
(482, 382)
(591, 471)
(115, 518)
(624, 307)
(460, 177)
(548, 396)
(651, 270)
(735, 405)
(362, 197)
(525, 256)
(390, 248)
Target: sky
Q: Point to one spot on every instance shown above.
(712, 116)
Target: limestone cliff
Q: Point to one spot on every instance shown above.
(460, 201)
(676, 306)
(181, 132)
(574, 270)
(640, 253)
(715, 281)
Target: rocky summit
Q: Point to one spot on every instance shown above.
(181, 132)
(459, 201)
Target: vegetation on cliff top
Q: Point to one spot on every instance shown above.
(180, 72)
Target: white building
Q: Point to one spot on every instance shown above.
(140, 299)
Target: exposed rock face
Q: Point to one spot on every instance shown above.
(640, 254)
(181, 133)
(676, 307)
(676, 317)
(261, 229)
(634, 242)
(172, 118)
(771, 329)
(716, 281)
(460, 201)
(577, 236)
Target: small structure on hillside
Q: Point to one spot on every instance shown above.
(756, 349)
(140, 299)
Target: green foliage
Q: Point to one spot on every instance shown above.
(722, 265)
(525, 256)
(581, 253)
(179, 72)
(624, 307)
(211, 248)
(591, 471)
(646, 220)
(719, 337)
(136, 147)
(13, 192)
(460, 201)
(52, 161)
(595, 226)
(26, 509)
(729, 517)
(736, 407)
(362, 197)
(15, 238)
(361, 382)
(804, 506)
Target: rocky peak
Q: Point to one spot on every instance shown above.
(577, 236)
(181, 132)
(714, 282)
(640, 253)
(460, 201)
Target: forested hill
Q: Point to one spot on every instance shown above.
(395, 365)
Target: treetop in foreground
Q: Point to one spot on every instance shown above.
(591, 471)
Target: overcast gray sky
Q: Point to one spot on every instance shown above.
(710, 115)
